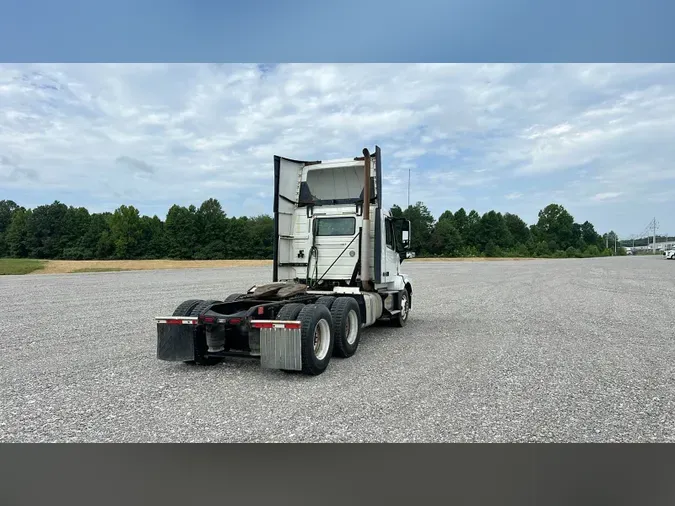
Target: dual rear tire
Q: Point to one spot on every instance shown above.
(195, 307)
(346, 323)
(331, 327)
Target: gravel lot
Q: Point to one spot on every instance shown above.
(551, 350)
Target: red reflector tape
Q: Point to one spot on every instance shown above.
(261, 325)
(209, 319)
(275, 325)
(175, 321)
(235, 321)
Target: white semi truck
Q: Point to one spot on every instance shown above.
(336, 270)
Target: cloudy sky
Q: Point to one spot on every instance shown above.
(598, 139)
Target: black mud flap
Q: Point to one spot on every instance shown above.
(175, 343)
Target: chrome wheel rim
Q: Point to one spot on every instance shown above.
(404, 307)
(321, 339)
(352, 326)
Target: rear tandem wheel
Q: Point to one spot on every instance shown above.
(316, 335)
(316, 338)
(192, 308)
(346, 326)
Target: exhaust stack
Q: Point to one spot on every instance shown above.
(365, 233)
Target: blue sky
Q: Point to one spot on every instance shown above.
(596, 138)
(345, 30)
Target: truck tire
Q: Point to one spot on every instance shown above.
(232, 297)
(185, 308)
(290, 311)
(346, 316)
(316, 338)
(401, 318)
(200, 338)
(326, 300)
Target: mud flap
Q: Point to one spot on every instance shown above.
(280, 344)
(175, 343)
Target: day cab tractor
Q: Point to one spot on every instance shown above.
(336, 270)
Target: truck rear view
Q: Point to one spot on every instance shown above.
(336, 270)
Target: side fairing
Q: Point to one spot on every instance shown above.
(287, 179)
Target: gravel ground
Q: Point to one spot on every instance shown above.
(551, 350)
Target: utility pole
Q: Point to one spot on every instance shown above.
(615, 244)
(408, 188)
(654, 225)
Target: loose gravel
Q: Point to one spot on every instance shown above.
(550, 350)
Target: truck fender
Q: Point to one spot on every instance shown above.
(407, 284)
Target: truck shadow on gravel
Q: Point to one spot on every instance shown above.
(372, 342)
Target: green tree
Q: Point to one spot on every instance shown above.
(492, 229)
(472, 230)
(588, 233)
(181, 231)
(492, 249)
(262, 234)
(17, 238)
(152, 242)
(211, 221)
(126, 232)
(75, 227)
(462, 224)
(578, 237)
(445, 239)
(45, 230)
(518, 229)
(447, 215)
(555, 226)
(7, 209)
(421, 224)
(593, 251)
(212, 225)
(96, 241)
(238, 240)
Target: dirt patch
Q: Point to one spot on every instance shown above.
(471, 259)
(71, 266)
(75, 266)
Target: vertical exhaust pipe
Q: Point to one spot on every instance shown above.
(365, 234)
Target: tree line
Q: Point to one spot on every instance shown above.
(58, 231)
(493, 234)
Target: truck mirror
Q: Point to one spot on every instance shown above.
(402, 227)
(405, 233)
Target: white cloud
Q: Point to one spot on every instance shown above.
(165, 133)
(607, 195)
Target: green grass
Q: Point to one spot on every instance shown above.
(98, 269)
(19, 265)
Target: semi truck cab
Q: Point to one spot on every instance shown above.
(336, 270)
(321, 222)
